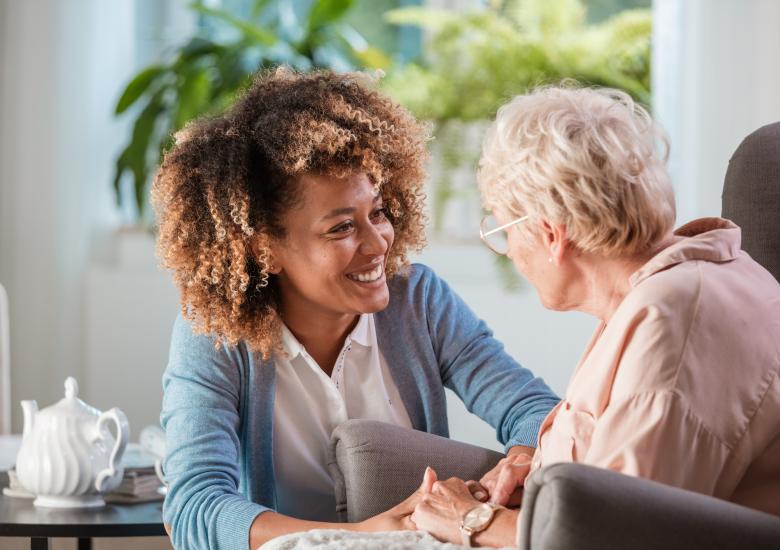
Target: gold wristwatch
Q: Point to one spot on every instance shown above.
(477, 519)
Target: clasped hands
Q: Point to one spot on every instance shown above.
(438, 507)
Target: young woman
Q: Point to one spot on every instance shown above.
(286, 223)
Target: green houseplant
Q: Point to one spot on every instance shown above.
(205, 74)
(479, 59)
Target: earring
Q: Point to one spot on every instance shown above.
(549, 259)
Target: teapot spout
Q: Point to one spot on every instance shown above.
(29, 408)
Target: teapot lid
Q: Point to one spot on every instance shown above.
(70, 405)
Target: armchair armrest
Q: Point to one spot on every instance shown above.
(579, 507)
(375, 465)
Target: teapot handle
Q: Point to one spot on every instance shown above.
(110, 477)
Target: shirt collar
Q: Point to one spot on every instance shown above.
(361, 334)
(708, 239)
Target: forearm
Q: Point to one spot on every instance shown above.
(269, 525)
(501, 532)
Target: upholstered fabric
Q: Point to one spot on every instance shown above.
(375, 466)
(579, 507)
(751, 195)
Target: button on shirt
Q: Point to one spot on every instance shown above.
(309, 405)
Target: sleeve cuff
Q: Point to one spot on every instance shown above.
(526, 433)
(235, 522)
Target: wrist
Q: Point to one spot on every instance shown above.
(501, 531)
(521, 450)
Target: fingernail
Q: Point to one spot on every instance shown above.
(479, 495)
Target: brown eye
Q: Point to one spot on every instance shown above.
(379, 214)
(342, 228)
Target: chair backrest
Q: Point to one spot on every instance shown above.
(5, 365)
(751, 195)
(579, 507)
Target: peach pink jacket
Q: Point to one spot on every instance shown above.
(681, 386)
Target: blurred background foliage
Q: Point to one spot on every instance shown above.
(477, 60)
(451, 67)
(204, 75)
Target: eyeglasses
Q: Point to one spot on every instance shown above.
(495, 237)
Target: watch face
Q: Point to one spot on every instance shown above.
(478, 517)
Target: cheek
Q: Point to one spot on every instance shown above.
(388, 233)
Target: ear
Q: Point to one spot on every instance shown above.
(555, 240)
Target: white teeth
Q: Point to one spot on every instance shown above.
(367, 277)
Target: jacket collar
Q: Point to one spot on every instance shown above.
(707, 239)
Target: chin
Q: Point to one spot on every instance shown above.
(552, 305)
(375, 306)
(376, 302)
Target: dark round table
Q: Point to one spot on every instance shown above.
(19, 518)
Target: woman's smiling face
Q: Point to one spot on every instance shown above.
(332, 260)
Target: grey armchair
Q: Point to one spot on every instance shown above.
(573, 506)
(565, 506)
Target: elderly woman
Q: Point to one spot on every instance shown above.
(286, 223)
(679, 383)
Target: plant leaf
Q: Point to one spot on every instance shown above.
(324, 12)
(194, 92)
(252, 31)
(197, 47)
(134, 158)
(137, 87)
(258, 7)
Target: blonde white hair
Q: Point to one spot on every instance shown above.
(587, 158)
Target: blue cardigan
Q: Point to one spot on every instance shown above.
(218, 405)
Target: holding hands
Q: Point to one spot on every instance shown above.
(504, 483)
(442, 506)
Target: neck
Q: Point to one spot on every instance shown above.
(322, 334)
(605, 281)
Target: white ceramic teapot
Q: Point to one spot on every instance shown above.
(68, 456)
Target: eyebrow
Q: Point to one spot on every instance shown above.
(346, 210)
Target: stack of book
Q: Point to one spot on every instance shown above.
(140, 482)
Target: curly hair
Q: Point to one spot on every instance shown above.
(223, 187)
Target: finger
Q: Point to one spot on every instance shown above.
(415, 519)
(477, 491)
(515, 499)
(505, 486)
(493, 473)
(429, 478)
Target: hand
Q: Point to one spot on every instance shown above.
(441, 511)
(505, 482)
(398, 518)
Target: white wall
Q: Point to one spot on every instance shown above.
(57, 144)
(63, 67)
(716, 78)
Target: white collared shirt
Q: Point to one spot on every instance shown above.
(309, 405)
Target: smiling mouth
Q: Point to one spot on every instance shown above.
(368, 276)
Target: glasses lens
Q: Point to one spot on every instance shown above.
(496, 240)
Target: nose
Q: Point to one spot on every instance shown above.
(375, 239)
